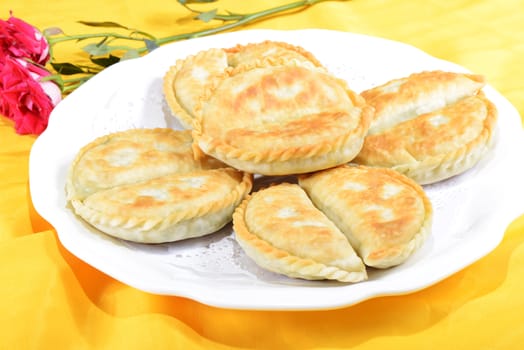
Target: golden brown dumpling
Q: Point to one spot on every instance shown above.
(281, 119)
(274, 51)
(429, 126)
(184, 83)
(144, 185)
(385, 215)
(282, 231)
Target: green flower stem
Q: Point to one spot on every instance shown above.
(52, 40)
(72, 84)
(239, 21)
(68, 85)
(232, 20)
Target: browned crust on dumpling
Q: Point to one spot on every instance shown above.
(124, 213)
(385, 215)
(132, 156)
(145, 185)
(269, 50)
(284, 119)
(184, 82)
(405, 98)
(436, 145)
(314, 250)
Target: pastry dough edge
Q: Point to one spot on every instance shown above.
(437, 168)
(171, 228)
(419, 238)
(293, 160)
(298, 49)
(407, 250)
(177, 111)
(71, 192)
(281, 261)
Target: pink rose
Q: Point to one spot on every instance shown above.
(24, 98)
(22, 40)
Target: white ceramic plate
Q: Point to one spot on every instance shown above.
(471, 211)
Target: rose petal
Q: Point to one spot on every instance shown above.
(25, 99)
(22, 40)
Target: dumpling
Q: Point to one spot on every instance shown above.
(144, 185)
(429, 126)
(406, 98)
(252, 53)
(282, 231)
(281, 119)
(185, 82)
(385, 215)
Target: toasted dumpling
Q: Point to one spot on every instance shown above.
(252, 53)
(133, 156)
(281, 119)
(406, 98)
(429, 126)
(144, 185)
(385, 215)
(436, 145)
(184, 83)
(282, 231)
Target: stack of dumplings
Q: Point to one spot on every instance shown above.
(145, 185)
(429, 126)
(354, 163)
(267, 108)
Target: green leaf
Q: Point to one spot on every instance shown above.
(105, 61)
(96, 49)
(207, 16)
(66, 68)
(130, 54)
(103, 24)
(151, 45)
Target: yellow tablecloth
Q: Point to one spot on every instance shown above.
(49, 298)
